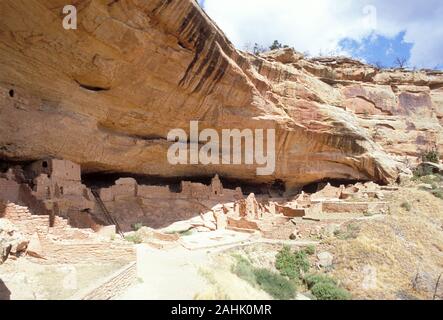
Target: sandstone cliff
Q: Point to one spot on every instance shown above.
(106, 95)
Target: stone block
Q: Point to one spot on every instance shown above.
(291, 212)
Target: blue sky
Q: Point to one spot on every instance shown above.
(377, 31)
(380, 50)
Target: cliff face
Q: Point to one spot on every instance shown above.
(107, 94)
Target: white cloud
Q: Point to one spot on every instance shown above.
(318, 26)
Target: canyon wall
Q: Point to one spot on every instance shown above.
(107, 94)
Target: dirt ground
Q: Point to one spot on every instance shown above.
(397, 257)
(202, 272)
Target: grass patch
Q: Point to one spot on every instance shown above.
(350, 232)
(328, 291)
(186, 233)
(430, 179)
(217, 292)
(324, 287)
(434, 181)
(431, 156)
(437, 193)
(181, 233)
(244, 269)
(274, 284)
(310, 249)
(313, 279)
(135, 238)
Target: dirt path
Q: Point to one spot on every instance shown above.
(190, 271)
(175, 273)
(168, 274)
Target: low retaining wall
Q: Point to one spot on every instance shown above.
(348, 207)
(62, 253)
(110, 287)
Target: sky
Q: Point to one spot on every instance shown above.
(377, 31)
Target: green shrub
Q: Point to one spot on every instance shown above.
(329, 291)
(181, 233)
(276, 285)
(135, 238)
(286, 263)
(324, 287)
(313, 279)
(431, 156)
(310, 249)
(292, 264)
(437, 193)
(275, 45)
(422, 172)
(406, 205)
(301, 261)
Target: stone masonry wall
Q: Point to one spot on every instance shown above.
(112, 286)
(158, 206)
(64, 244)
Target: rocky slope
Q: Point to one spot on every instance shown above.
(107, 94)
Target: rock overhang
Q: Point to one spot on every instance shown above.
(161, 73)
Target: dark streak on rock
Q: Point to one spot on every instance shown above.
(161, 6)
(207, 56)
(92, 88)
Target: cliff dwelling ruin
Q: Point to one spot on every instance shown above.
(54, 187)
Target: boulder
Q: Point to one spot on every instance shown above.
(404, 178)
(284, 55)
(427, 168)
(429, 283)
(34, 248)
(425, 186)
(12, 242)
(325, 259)
(178, 227)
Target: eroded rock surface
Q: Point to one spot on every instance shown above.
(107, 94)
(12, 242)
